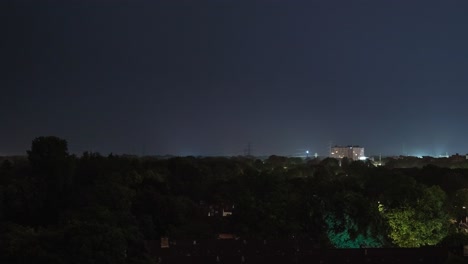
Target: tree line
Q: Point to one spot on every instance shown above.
(60, 208)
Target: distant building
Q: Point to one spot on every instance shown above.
(220, 210)
(350, 152)
(164, 242)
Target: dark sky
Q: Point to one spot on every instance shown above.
(207, 77)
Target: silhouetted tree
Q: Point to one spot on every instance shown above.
(52, 171)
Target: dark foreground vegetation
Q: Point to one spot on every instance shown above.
(59, 208)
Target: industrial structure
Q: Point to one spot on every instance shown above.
(350, 152)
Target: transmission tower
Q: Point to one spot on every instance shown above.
(248, 150)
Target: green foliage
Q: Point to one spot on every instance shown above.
(421, 224)
(101, 209)
(344, 233)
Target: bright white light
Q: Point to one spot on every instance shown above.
(307, 151)
(362, 158)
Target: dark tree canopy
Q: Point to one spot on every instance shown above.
(59, 208)
(47, 151)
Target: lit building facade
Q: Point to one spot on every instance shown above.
(350, 152)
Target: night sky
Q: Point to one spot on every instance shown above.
(208, 77)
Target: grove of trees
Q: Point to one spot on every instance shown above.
(60, 208)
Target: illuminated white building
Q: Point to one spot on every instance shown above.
(350, 152)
